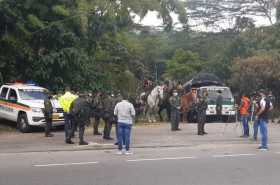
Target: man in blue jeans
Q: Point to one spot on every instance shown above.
(262, 119)
(125, 113)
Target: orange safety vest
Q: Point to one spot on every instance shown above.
(245, 106)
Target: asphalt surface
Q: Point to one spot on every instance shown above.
(235, 165)
(161, 157)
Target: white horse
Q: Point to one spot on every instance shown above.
(153, 103)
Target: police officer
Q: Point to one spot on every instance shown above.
(81, 114)
(48, 112)
(201, 112)
(65, 102)
(108, 115)
(175, 103)
(97, 103)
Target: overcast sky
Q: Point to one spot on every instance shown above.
(152, 20)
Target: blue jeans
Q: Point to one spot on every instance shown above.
(244, 119)
(124, 131)
(256, 128)
(263, 130)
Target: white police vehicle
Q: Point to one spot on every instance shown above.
(228, 106)
(24, 103)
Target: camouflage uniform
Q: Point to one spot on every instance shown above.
(108, 115)
(97, 103)
(175, 103)
(80, 111)
(201, 114)
(48, 111)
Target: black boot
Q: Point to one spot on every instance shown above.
(83, 143)
(69, 141)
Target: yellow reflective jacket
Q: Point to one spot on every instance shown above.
(66, 100)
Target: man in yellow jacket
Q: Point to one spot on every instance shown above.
(65, 102)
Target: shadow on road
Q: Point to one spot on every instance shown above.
(9, 126)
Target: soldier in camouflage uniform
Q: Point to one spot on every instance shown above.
(108, 115)
(201, 108)
(81, 112)
(97, 113)
(175, 103)
(48, 112)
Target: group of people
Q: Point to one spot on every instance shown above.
(200, 104)
(256, 109)
(116, 109)
(79, 109)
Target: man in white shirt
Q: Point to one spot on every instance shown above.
(125, 112)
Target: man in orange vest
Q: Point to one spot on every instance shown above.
(244, 115)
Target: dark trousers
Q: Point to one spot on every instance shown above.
(107, 128)
(201, 119)
(124, 132)
(175, 119)
(81, 132)
(48, 125)
(96, 125)
(68, 127)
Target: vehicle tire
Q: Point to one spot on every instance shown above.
(22, 123)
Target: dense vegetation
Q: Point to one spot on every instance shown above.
(95, 44)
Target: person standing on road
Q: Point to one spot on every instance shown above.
(244, 115)
(81, 112)
(65, 102)
(254, 109)
(175, 103)
(97, 101)
(108, 115)
(125, 113)
(201, 112)
(219, 105)
(262, 117)
(48, 112)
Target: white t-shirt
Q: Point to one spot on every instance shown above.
(125, 112)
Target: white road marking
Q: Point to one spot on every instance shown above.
(161, 159)
(65, 164)
(233, 155)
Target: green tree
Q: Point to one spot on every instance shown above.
(260, 71)
(183, 65)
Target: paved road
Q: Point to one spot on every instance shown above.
(202, 165)
(147, 136)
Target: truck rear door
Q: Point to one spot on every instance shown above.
(3, 102)
(12, 104)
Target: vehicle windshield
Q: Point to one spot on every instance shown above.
(213, 94)
(32, 94)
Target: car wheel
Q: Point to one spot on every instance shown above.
(22, 123)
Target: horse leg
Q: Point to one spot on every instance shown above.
(154, 114)
(184, 116)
